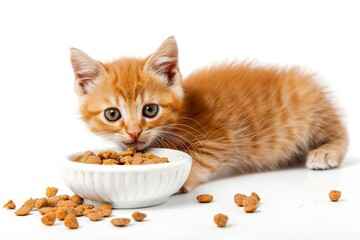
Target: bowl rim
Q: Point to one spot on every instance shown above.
(184, 159)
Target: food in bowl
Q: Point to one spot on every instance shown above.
(128, 157)
(127, 186)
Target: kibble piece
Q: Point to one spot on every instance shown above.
(128, 152)
(54, 200)
(138, 161)
(71, 210)
(250, 208)
(78, 158)
(120, 222)
(220, 220)
(85, 157)
(334, 195)
(9, 205)
(71, 222)
(41, 202)
(95, 215)
(156, 160)
(77, 199)
(45, 210)
(93, 160)
(26, 208)
(138, 216)
(87, 211)
(238, 199)
(110, 162)
(61, 213)
(66, 203)
(104, 206)
(254, 194)
(251, 200)
(127, 160)
(49, 218)
(105, 212)
(204, 198)
(79, 210)
(51, 191)
(64, 197)
(88, 206)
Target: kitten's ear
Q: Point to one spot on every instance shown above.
(164, 62)
(86, 70)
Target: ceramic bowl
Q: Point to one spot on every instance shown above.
(128, 186)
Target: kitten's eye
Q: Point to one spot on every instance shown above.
(150, 110)
(112, 114)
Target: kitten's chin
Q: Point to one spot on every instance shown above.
(139, 146)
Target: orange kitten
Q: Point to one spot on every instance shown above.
(228, 116)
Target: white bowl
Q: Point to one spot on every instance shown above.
(128, 186)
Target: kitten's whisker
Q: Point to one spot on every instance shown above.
(167, 133)
(186, 131)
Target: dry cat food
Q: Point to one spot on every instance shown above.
(120, 222)
(51, 191)
(9, 205)
(334, 195)
(49, 218)
(248, 202)
(220, 220)
(128, 157)
(204, 198)
(138, 216)
(26, 208)
(250, 208)
(71, 222)
(61, 207)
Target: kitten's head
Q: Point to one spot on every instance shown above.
(129, 100)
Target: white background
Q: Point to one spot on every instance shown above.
(39, 123)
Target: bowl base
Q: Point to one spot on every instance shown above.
(141, 204)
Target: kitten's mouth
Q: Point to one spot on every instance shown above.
(138, 145)
(134, 142)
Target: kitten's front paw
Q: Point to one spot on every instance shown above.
(187, 187)
(182, 190)
(322, 159)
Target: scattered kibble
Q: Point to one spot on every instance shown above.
(334, 195)
(249, 200)
(71, 221)
(26, 208)
(49, 218)
(41, 202)
(220, 220)
(250, 208)
(10, 205)
(204, 198)
(238, 199)
(138, 216)
(120, 222)
(51, 191)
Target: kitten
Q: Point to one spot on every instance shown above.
(228, 116)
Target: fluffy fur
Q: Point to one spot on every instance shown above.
(239, 116)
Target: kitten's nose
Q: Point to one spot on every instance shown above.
(134, 133)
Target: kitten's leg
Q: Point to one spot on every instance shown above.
(330, 154)
(199, 173)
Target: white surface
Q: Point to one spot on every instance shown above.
(128, 186)
(39, 124)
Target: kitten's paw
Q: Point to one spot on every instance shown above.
(187, 187)
(322, 159)
(182, 190)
